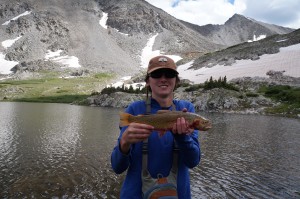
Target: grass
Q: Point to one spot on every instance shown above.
(78, 99)
(289, 98)
(51, 88)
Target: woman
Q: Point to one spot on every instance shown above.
(161, 79)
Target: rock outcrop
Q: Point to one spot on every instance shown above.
(247, 100)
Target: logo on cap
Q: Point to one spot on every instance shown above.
(163, 59)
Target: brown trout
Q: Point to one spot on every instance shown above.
(164, 120)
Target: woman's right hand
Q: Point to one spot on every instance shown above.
(134, 133)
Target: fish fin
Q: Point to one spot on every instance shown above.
(163, 111)
(124, 119)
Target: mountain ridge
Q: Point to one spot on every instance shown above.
(237, 29)
(73, 28)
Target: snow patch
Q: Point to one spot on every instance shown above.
(15, 18)
(103, 20)
(66, 60)
(282, 40)
(6, 66)
(257, 38)
(8, 43)
(147, 52)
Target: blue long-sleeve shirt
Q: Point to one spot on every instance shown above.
(160, 154)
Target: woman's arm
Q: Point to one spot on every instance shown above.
(134, 133)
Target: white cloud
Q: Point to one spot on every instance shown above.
(280, 12)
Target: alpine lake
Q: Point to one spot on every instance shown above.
(50, 150)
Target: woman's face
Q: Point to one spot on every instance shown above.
(162, 83)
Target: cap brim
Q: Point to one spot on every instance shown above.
(157, 68)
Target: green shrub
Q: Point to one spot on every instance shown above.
(109, 90)
(220, 83)
(194, 87)
(287, 95)
(283, 93)
(183, 84)
(252, 94)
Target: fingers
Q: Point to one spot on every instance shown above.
(182, 127)
(137, 132)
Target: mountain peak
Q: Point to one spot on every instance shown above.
(111, 35)
(236, 18)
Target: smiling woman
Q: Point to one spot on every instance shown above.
(157, 163)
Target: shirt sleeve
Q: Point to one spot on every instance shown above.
(120, 161)
(189, 146)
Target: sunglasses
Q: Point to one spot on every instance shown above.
(159, 73)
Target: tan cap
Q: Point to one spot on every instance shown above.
(159, 62)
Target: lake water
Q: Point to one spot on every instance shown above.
(63, 151)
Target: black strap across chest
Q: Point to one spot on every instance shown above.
(145, 143)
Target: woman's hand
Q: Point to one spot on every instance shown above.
(182, 126)
(134, 133)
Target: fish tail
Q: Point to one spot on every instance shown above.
(124, 119)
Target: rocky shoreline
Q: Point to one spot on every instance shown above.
(215, 100)
(245, 101)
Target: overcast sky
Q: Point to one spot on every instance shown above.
(279, 12)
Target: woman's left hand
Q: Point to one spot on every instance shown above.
(182, 126)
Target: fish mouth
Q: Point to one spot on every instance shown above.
(205, 128)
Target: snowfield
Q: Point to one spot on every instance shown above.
(288, 60)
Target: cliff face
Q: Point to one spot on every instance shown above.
(79, 29)
(71, 27)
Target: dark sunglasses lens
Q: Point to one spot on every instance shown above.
(170, 75)
(159, 74)
(156, 75)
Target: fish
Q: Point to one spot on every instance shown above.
(164, 120)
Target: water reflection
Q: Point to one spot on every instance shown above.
(250, 158)
(8, 142)
(63, 151)
(60, 150)
(60, 135)
(7, 116)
